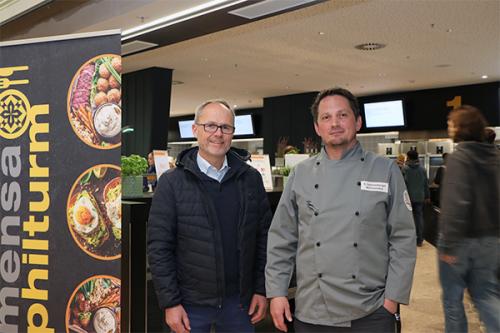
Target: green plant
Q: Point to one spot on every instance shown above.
(283, 171)
(292, 150)
(134, 165)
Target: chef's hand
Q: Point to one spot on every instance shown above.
(390, 305)
(177, 319)
(258, 307)
(280, 308)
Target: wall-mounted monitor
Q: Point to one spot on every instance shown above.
(243, 124)
(185, 129)
(384, 114)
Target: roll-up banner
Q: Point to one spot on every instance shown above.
(60, 184)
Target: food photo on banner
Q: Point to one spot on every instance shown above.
(60, 184)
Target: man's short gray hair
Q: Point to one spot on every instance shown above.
(199, 109)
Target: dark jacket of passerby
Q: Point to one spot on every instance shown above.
(416, 181)
(186, 236)
(470, 195)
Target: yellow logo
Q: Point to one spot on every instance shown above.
(14, 109)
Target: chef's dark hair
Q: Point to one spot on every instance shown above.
(353, 101)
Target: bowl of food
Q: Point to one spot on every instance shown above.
(112, 198)
(108, 120)
(104, 321)
(94, 306)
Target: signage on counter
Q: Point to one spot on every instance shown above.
(162, 162)
(262, 164)
(60, 184)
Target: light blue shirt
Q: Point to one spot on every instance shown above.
(210, 170)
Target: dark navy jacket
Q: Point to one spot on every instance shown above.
(184, 235)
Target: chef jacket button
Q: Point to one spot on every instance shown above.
(359, 183)
(355, 244)
(317, 163)
(316, 185)
(357, 213)
(353, 276)
(318, 243)
(362, 159)
(320, 275)
(316, 213)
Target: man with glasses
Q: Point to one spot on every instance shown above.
(207, 232)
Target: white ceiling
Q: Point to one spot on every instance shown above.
(429, 44)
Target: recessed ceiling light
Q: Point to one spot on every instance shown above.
(443, 65)
(209, 76)
(204, 59)
(370, 46)
(484, 76)
(235, 106)
(449, 30)
(321, 33)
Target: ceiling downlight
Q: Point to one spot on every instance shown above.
(369, 46)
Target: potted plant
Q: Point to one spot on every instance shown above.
(133, 169)
(281, 173)
(279, 159)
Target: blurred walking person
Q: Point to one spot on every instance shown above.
(469, 224)
(416, 181)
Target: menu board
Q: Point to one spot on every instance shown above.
(263, 165)
(162, 162)
(60, 184)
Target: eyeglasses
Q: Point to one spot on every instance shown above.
(212, 128)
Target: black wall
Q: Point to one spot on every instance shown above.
(428, 110)
(146, 105)
(425, 110)
(287, 116)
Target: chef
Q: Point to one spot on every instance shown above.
(344, 220)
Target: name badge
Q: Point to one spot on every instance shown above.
(374, 186)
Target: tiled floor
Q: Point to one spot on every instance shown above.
(425, 312)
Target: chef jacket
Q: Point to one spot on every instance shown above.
(347, 226)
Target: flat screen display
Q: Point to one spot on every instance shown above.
(185, 130)
(384, 114)
(243, 124)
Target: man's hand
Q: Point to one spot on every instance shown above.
(280, 308)
(177, 319)
(448, 259)
(390, 305)
(258, 307)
